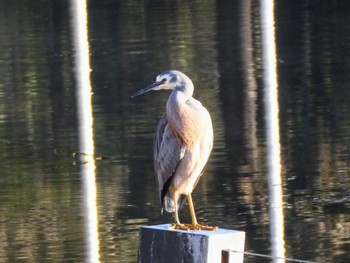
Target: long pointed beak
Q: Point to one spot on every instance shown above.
(148, 88)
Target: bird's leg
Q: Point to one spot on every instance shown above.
(177, 221)
(195, 225)
(193, 214)
(177, 224)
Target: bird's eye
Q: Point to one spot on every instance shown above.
(163, 80)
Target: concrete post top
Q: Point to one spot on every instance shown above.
(219, 231)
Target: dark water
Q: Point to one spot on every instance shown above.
(218, 44)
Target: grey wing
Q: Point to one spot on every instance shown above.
(168, 152)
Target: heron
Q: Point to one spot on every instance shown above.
(182, 145)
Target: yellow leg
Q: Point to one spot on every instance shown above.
(194, 225)
(193, 214)
(175, 196)
(177, 224)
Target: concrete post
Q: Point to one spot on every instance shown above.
(158, 244)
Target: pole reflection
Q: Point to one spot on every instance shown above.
(85, 120)
(272, 132)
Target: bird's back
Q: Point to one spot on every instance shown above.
(168, 153)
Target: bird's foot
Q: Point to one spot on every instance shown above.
(192, 227)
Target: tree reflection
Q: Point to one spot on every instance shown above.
(217, 43)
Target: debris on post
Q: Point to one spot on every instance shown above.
(159, 244)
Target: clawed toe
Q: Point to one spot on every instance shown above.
(192, 227)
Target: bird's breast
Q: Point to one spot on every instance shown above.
(188, 120)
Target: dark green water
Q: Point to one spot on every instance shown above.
(218, 45)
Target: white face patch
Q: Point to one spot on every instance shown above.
(174, 80)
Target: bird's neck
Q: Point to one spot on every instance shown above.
(186, 88)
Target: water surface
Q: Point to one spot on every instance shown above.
(218, 45)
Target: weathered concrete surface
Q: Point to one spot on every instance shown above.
(158, 244)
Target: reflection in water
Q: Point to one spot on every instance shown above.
(219, 45)
(85, 127)
(272, 129)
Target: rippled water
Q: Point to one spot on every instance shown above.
(218, 44)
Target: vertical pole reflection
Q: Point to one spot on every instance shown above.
(86, 142)
(272, 133)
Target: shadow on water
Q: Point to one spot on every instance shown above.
(218, 45)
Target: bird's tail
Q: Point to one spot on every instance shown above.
(168, 203)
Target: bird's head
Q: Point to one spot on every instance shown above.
(170, 80)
